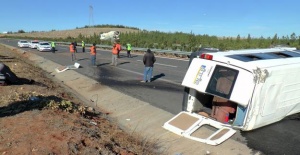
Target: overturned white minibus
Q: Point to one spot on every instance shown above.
(243, 89)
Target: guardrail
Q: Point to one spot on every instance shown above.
(139, 49)
(159, 51)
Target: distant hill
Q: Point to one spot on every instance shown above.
(71, 33)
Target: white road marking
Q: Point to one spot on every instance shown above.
(169, 81)
(162, 64)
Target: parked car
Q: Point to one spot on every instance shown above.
(33, 44)
(43, 46)
(23, 43)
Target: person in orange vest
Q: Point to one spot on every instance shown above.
(115, 51)
(93, 54)
(72, 51)
(119, 48)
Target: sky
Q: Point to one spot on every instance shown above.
(222, 18)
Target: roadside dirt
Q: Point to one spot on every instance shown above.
(39, 117)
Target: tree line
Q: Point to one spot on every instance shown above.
(191, 42)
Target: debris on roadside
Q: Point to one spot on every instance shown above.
(94, 123)
(64, 68)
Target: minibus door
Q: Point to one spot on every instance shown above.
(186, 124)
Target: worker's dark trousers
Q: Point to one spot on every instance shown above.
(128, 54)
(83, 49)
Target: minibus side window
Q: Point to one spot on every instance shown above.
(222, 81)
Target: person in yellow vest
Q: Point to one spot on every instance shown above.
(93, 55)
(128, 48)
(53, 47)
(72, 51)
(115, 51)
(83, 46)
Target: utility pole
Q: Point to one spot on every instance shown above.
(91, 18)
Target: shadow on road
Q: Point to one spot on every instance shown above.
(83, 59)
(123, 63)
(158, 76)
(103, 64)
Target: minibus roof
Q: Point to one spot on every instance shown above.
(258, 58)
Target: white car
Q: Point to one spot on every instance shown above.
(43, 46)
(23, 43)
(33, 44)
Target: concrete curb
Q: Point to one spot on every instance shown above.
(135, 115)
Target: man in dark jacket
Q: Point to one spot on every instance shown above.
(148, 60)
(75, 44)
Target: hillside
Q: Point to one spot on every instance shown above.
(71, 33)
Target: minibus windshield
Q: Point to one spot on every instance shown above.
(222, 81)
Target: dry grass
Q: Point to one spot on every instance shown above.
(72, 33)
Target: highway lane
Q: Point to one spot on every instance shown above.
(166, 93)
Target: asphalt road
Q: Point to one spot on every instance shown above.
(166, 93)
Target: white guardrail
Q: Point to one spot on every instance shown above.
(161, 51)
